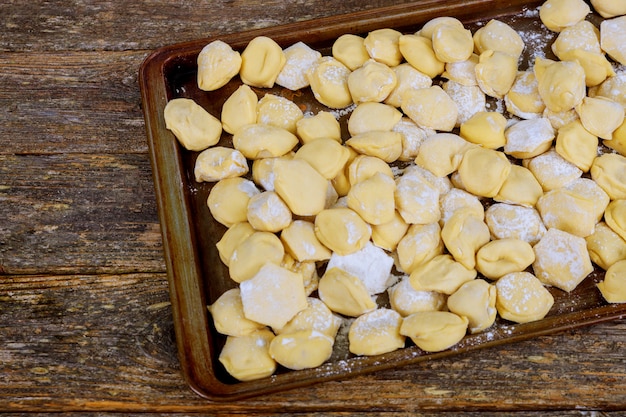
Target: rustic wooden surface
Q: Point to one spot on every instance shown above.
(85, 319)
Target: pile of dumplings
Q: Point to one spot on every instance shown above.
(456, 212)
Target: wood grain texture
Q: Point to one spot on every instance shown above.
(85, 321)
(105, 343)
(75, 213)
(115, 25)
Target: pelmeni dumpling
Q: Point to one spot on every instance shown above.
(218, 63)
(613, 287)
(522, 298)
(559, 14)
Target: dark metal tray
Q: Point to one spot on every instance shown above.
(197, 276)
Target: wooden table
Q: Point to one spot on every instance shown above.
(85, 318)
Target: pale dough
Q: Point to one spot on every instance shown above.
(613, 38)
(596, 66)
(613, 88)
(267, 212)
(475, 300)
(321, 125)
(406, 300)
(463, 234)
(307, 270)
(590, 190)
(520, 187)
(552, 170)
(462, 72)
(613, 287)
(228, 316)
(457, 199)
(583, 36)
(469, 100)
(498, 36)
(429, 28)
(239, 109)
(609, 172)
(252, 253)
(577, 145)
(418, 51)
(523, 99)
(496, 72)
(373, 116)
(442, 153)
(431, 108)
(329, 83)
(326, 155)
(503, 256)
(560, 119)
(417, 199)
(247, 357)
(259, 140)
(344, 293)
(235, 234)
(528, 138)
(600, 116)
(513, 221)
(263, 171)
(442, 274)
(301, 349)
(218, 63)
(195, 128)
(618, 143)
(494, 170)
(485, 128)
(382, 45)
(261, 62)
(386, 145)
(559, 14)
(228, 200)
(373, 199)
(342, 230)
(452, 43)
(561, 84)
(605, 246)
(301, 186)
(407, 78)
(278, 111)
(317, 317)
(372, 82)
(219, 162)
(350, 50)
(376, 332)
(273, 296)
(363, 167)
(412, 137)
(567, 211)
(561, 260)
(615, 217)
(434, 331)
(522, 298)
(299, 58)
(370, 264)
(609, 8)
(387, 235)
(420, 244)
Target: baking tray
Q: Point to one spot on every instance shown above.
(195, 273)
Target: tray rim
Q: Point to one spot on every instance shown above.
(195, 351)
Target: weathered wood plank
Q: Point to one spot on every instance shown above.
(110, 25)
(78, 213)
(105, 343)
(71, 102)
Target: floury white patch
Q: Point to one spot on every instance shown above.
(371, 265)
